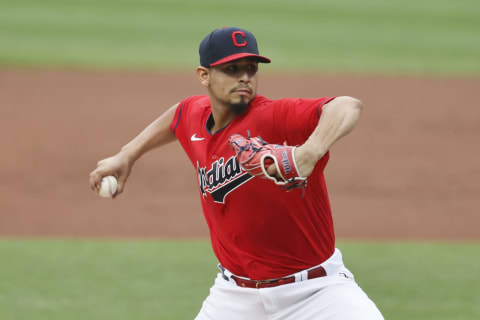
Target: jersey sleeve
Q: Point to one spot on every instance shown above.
(178, 115)
(181, 127)
(295, 119)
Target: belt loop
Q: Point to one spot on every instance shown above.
(304, 275)
(301, 276)
(298, 277)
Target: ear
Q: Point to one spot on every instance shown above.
(203, 75)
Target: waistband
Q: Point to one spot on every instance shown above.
(330, 266)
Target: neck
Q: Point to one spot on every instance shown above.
(220, 120)
(222, 115)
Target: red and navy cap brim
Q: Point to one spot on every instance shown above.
(238, 56)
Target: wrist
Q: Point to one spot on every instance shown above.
(306, 158)
(308, 151)
(129, 153)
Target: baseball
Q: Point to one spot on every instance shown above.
(108, 187)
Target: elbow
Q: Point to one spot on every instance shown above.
(347, 106)
(350, 109)
(350, 103)
(358, 105)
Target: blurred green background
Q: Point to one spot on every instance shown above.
(411, 36)
(132, 279)
(120, 279)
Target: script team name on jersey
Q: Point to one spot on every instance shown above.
(221, 179)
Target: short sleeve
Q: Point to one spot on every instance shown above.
(178, 114)
(295, 119)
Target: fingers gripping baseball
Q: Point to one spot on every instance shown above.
(271, 161)
(117, 166)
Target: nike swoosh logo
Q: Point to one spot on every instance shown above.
(194, 138)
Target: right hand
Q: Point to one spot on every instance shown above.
(119, 166)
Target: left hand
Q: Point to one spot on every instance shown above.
(256, 157)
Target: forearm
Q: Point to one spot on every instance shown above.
(158, 133)
(120, 165)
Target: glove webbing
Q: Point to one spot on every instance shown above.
(249, 146)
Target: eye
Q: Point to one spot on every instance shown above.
(231, 68)
(252, 67)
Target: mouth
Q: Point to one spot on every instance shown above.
(242, 91)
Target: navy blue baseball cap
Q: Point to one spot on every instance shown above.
(228, 44)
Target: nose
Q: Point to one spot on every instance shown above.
(244, 77)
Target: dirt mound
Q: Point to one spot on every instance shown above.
(409, 169)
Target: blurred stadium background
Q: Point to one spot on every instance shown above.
(78, 79)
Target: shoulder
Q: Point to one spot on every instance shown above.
(195, 100)
(260, 103)
(302, 105)
(194, 104)
(303, 101)
(193, 107)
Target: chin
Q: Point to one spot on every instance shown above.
(239, 107)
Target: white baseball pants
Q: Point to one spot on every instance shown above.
(334, 297)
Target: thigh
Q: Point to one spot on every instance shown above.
(346, 301)
(331, 298)
(227, 301)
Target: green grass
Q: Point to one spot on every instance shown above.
(120, 279)
(67, 279)
(419, 281)
(410, 36)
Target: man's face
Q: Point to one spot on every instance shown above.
(234, 84)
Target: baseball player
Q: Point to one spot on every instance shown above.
(259, 164)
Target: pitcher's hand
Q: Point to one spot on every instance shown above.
(118, 165)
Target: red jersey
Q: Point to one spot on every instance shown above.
(257, 229)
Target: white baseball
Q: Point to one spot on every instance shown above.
(108, 187)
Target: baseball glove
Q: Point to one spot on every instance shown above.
(256, 156)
